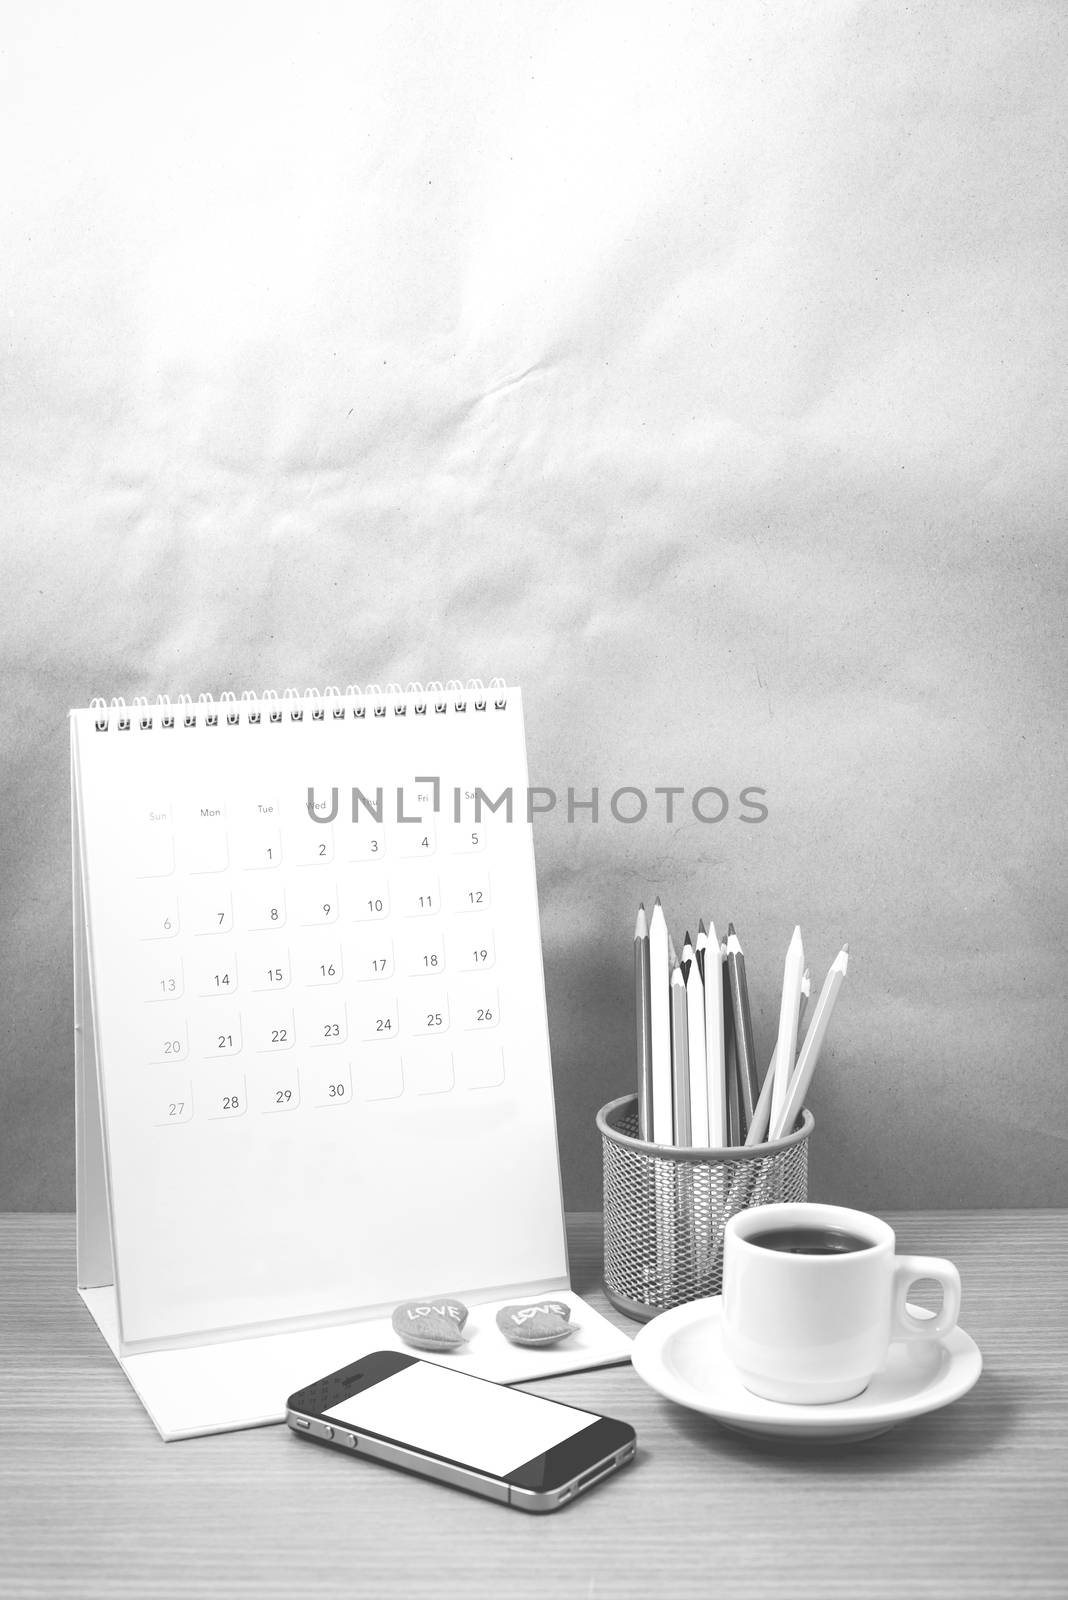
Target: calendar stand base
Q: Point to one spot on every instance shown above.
(244, 1383)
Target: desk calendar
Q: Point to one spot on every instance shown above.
(312, 1059)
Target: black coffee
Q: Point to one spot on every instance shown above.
(810, 1241)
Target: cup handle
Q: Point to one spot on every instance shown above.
(906, 1271)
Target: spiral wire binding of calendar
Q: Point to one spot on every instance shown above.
(432, 699)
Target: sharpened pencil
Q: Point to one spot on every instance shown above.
(714, 1043)
(808, 1060)
(643, 1025)
(735, 1130)
(695, 1044)
(758, 1128)
(786, 1044)
(660, 1025)
(680, 1059)
(748, 1077)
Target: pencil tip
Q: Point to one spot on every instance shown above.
(845, 949)
(687, 939)
(701, 926)
(730, 929)
(657, 902)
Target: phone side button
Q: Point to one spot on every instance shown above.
(302, 1422)
(328, 1432)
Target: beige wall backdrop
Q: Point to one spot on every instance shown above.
(699, 368)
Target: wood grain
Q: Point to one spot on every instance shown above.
(967, 1502)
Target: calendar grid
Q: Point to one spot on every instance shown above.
(306, 958)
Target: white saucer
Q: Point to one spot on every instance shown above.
(680, 1354)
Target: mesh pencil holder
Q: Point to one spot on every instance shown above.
(665, 1209)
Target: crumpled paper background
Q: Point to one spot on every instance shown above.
(700, 369)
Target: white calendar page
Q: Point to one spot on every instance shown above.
(321, 1049)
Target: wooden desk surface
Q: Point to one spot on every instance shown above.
(970, 1501)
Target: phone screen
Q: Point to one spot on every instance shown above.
(483, 1425)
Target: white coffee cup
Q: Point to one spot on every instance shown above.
(811, 1328)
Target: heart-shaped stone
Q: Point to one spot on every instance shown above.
(543, 1322)
(431, 1324)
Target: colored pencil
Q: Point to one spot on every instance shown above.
(715, 1048)
(680, 1060)
(808, 1060)
(643, 1025)
(660, 1026)
(748, 1077)
(758, 1128)
(697, 1054)
(786, 1043)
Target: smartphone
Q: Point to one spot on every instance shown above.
(426, 1418)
